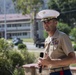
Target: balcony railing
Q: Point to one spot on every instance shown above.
(32, 69)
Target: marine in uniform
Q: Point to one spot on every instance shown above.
(58, 53)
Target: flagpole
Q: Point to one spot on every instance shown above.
(5, 27)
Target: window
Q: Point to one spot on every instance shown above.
(8, 25)
(24, 33)
(14, 25)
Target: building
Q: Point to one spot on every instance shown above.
(18, 25)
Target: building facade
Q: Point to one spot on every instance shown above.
(18, 25)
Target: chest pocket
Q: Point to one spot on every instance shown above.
(54, 50)
(52, 47)
(54, 44)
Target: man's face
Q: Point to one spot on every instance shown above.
(50, 25)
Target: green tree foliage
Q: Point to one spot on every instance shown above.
(30, 6)
(11, 58)
(64, 28)
(16, 58)
(45, 34)
(67, 9)
(74, 47)
(4, 47)
(5, 67)
(19, 71)
(73, 33)
(29, 57)
(26, 6)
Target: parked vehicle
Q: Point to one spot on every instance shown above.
(40, 43)
(17, 41)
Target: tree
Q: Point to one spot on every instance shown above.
(73, 33)
(66, 8)
(11, 59)
(45, 34)
(64, 28)
(27, 6)
(5, 47)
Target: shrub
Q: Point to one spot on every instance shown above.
(10, 58)
(18, 71)
(22, 46)
(5, 47)
(5, 67)
(16, 58)
(29, 57)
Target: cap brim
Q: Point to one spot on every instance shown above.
(45, 19)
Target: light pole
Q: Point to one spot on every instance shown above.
(34, 9)
(5, 27)
(34, 26)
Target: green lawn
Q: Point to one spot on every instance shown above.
(73, 65)
(24, 40)
(27, 40)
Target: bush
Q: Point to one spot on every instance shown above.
(19, 71)
(10, 58)
(29, 57)
(16, 58)
(22, 46)
(5, 67)
(4, 45)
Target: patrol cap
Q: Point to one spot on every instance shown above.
(48, 14)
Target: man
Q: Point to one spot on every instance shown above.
(59, 53)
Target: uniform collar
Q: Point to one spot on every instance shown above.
(56, 34)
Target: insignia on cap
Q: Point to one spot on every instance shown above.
(44, 12)
(48, 13)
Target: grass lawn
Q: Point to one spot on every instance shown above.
(73, 65)
(27, 40)
(24, 40)
(37, 54)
